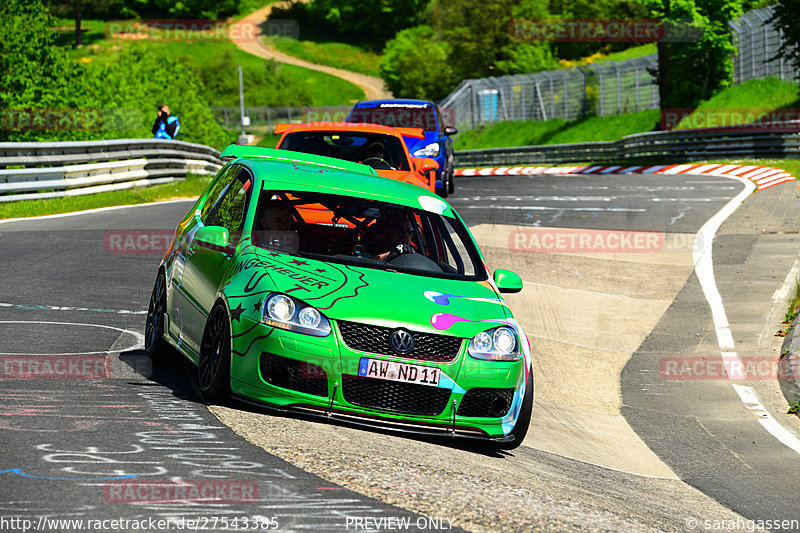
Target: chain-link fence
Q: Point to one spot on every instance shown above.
(269, 117)
(758, 44)
(607, 88)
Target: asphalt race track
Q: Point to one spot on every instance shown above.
(78, 287)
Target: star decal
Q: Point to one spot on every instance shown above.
(274, 254)
(257, 307)
(237, 313)
(320, 270)
(298, 262)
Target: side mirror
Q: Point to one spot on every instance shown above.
(450, 130)
(507, 281)
(425, 164)
(213, 237)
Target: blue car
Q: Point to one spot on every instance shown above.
(437, 143)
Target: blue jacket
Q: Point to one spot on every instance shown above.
(166, 128)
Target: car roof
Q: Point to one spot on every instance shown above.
(295, 171)
(400, 101)
(350, 126)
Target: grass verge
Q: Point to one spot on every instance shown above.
(333, 54)
(744, 103)
(556, 131)
(191, 187)
(214, 61)
(794, 408)
(792, 311)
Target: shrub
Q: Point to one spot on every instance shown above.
(415, 65)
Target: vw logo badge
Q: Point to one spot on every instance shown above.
(401, 342)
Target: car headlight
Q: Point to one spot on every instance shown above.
(285, 312)
(280, 308)
(499, 344)
(432, 150)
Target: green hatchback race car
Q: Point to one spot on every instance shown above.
(305, 283)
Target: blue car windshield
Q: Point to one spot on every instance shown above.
(397, 115)
(366, 233)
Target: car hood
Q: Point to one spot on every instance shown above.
(373, 296)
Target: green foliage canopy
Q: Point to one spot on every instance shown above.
(785, 18)
(415, 64)
(368, 22)
(116, 9)
(114, 100)
(695, 70)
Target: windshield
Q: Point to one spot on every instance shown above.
(374, 149)
(397, 116)
(368, 233)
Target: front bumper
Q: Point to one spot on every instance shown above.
(319, 376)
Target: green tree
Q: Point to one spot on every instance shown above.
(477, 32)
(34, 72)
(115, 100)
(127, 92)
(522, 58)
(691, 70)
(785, 18)
(109, 9)
(367, 22)
(415, 64)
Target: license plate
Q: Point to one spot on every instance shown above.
(393, 371)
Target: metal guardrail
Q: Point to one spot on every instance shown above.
(667, 147)
(54, 169)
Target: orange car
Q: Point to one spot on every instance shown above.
(380, 147)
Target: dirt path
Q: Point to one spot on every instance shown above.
(373, 87)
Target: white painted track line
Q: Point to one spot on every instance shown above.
(704, 268)
(96, 210)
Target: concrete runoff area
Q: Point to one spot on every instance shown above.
(585, 316)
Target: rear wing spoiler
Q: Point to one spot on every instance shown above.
(280, 129)
(417, 133)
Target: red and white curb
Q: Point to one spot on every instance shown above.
(763, 177)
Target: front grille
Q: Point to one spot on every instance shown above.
(375, 339)
(492, 403)
(293, 374)
(394, 396)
